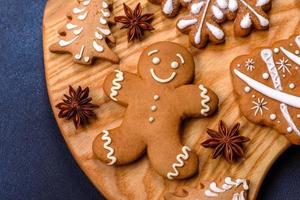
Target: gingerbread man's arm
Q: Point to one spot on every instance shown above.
(197, 100)
(120, 86)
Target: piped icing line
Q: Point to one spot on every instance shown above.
(197, 38)
(160, 80)
(78, 10)
(152, 52)
(71, 26)
(297, 40)
(86, 2)
(104, 31)
(83, 16)
(64, 43)
(291, 56)
(269, 92)
(184, 23)
(267, 57)
(180, 162)
(110, 155)
(262, 2)
(116, 86)
(78, 31)
(262, 20)
(214, 190)
(205, 99)
(97, 47)
(79, 56)
(180, 57)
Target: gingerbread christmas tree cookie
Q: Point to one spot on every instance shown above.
(87, 34)
(267, 85)
(225, 189)
(158, 98)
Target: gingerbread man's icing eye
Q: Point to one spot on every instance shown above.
(174, 65)
(155, 60)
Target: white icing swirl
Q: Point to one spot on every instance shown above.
(106, 137)
(205, 99)
(180, 162)
(116, 86)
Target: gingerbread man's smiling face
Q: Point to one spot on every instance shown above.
(167, 64)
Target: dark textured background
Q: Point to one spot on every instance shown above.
(34, 160)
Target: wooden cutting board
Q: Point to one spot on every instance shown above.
(139, 181)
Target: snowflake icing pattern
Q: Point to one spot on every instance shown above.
(250, 64)
(284, 65)
(259, 106)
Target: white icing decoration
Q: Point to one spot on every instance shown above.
(297, 40)
(180, 57)
(151, 119)
(222, 4)
(155, 60)
(291, 86)
(97, 47)
(180, 162)
(86, 59)
(246, 21)
(183, 23)
(209, 193)
(197, 38)
(79, 56)
(104, 31)
(105, 13)
(267, 56)
(297, 52)
(104, 4)
(273, 117)
(291, 56)
(250, 64)
(276, 50)
(86, 2)
(103, 21)
(214, 190)
(265, 76)
(217, 32)
(116, 86)
(298, 116)
(174, 65)
(98, 36)
(262, 2)
(64, 43)
(110, 154)
(78, 10)
(259, 106)
(156, 97)
(233, 5)
(152, 52)
(269, 92)
(160, 80)
(71, 26)
(218, 14)
(153, 108)
(262, 20)
(213, 186)
(83, 16)
(284, 65)
(168, 7)
(78, 31)
(196, 7)
(205, 99)
(289, 129)
(247, 89)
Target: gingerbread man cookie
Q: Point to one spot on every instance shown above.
(157, 100)
(267, 85)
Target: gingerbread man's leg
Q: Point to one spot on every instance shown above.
(172, 160)
(116, 147)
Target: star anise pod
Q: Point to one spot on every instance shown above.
(135, 22)
(77, 106)
(225, 142)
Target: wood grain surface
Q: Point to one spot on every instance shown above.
(138, 180)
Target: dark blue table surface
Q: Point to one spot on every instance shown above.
(34, 160)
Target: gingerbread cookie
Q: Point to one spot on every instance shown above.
(157, 100)
(203, 23)
(267, 86)
(87, 34)
(224, 190)
(170, 8)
